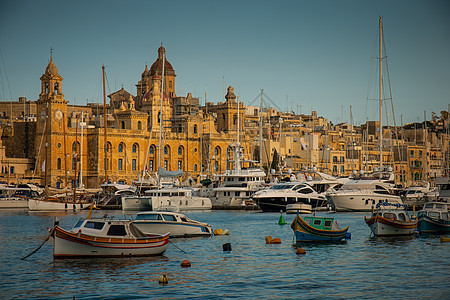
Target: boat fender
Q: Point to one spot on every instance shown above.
(276, 241)
(185, 264)
(226, 247)
(218, 231)
(163, 279)
(301, 251)
(268, 239)
(226, 232)
(348, 236)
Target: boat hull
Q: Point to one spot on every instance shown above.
(432, 225)
(44, 205)
(13, 202)
(176, 229)
(306, 233)
(359, 201)
(77, 245)
(280, 203)
(387, 227)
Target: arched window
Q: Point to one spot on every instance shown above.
(166, 150)
(75, 147)
(180, 150)
(11, 170)
(234, 119)
(123, 124)
(139, 125)
(195, 129)
(152, 149)
(56, 88)
(134, 148)
(217, 150)
(58, 164)
(46, 87)
(120, 148)
(195, 168)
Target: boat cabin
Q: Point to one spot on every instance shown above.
(435, 210)
(162, 216)
(107, 228)
(322, 223)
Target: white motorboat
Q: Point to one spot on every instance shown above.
(391, 219)
(184, 198)
(235, 187)
(419, 194)
(298, 208)
(177, 224)
(443, 184)
(364, 193)
(279, 195)
(106, 237)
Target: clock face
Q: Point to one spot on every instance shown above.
(43, 115)
(58, 115)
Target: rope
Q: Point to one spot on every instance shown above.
(46, 239)
(178, 247)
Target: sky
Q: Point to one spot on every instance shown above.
(306, 55)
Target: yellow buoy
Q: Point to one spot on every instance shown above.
(163, 279)
(268, 239)
(276, 241)
(218, 231)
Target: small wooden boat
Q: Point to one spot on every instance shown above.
(106, 237)
(177, 224)
(54, 203)
(444, 239)
(391, 219)
(318, 229)
(434, 218)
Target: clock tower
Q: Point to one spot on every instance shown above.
(51, 126)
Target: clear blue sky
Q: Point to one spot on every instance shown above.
(306, 55)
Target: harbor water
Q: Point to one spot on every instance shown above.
(364, 267)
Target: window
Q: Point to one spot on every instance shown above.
(342, 169)
(133, 164)
(216, 166)
(180, 150)
(74, 163)
(11, 170)
(166, 163)
(327, 223)
(335, 160)
(94, 225)
(123, 124)
(120, 164)
(195, 168)
(170, 218)
(139, 125)
(150, 165)
(342, 160)
(335, 169)
(216, 151)
(152, 149)
(180, 165)
(317, 222)
(134, 148)
(56, 88)
(58, 164)
(75, 147)
(166, 150)
(117, 230)
(195, 129)
(148, 217)
(120, 148)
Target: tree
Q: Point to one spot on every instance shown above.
(274, 164)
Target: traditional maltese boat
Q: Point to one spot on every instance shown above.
(391, 219)
(434, 218)
(318, 229)
(106, 237)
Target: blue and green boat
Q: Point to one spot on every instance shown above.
(318, 229)
(434, 218)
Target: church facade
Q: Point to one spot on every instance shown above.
(73, 147)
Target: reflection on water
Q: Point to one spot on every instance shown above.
(363, 267)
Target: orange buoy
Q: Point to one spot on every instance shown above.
(185, 263)
(276, 241)
(301, 251)
(163, 279)
(268, 239)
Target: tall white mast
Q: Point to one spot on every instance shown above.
(161, 112)
(381, 92)
(260, 130)
(237, 163)
(81, 152)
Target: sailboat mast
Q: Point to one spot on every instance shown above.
(161, 110)
(81, 152)
(260, 130)
(104, 125)
(381, 91)
(237, 163)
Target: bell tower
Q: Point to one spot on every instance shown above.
(51, 126)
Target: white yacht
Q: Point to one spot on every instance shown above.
(363, 193)
(235, 187)
(180, 198)
(281, 194)
(443, 184)
(419, 194)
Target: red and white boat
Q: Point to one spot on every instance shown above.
(106, 237)
(391, 219)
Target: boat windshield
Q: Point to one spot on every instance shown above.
(148, 217)
(282, 186)
(169, 218)
(433, 214)
(78, 224)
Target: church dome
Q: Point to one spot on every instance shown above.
(156, 67)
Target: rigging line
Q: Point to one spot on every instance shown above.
(6, 74)
(257, 97)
